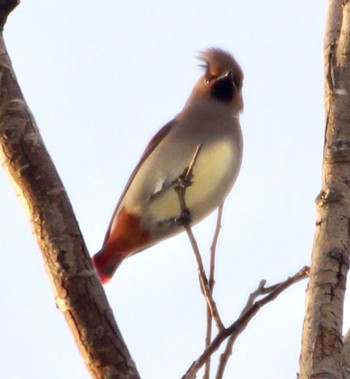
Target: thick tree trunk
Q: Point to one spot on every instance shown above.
(77, 290)
(322, 341)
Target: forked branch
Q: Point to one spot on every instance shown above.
(250, 310)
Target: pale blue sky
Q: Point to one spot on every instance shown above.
(101, 78)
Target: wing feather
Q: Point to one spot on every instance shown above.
(157, 138)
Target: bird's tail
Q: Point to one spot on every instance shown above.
(106, 264)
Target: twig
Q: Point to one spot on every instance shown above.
(184, 181)
(213, 246)
(193, 161)
(211, 287)
(240, 324)
(261, 290)
(224, 357)
(204, 281)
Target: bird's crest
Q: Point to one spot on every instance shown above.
(218, 63)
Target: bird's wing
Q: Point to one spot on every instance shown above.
(153, 143)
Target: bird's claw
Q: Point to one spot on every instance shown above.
(185, 180)
(184, 218)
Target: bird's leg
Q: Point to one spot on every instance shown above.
(185, 217)
(183, 182)
(180, 185)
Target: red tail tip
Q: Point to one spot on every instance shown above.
(103, 277)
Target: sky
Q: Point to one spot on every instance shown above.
(101, 78)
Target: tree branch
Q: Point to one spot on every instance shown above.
(321, 353)
(250, 310)
(346, 355)
(77, 290)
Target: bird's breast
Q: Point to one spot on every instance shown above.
(214, 173)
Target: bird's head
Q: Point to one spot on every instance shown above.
(222, 79)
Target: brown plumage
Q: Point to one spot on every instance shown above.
(149, 210)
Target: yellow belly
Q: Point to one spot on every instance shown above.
(213, 177)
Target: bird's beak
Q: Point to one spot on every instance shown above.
(225, 75)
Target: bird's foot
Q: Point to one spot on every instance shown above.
(184, 181)
(184, 218)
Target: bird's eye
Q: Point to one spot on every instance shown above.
(224, 87)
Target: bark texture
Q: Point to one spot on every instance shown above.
(77, 290)
(322, 341)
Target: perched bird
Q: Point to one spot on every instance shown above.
(206, 129)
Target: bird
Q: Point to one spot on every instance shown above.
(206, 132)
